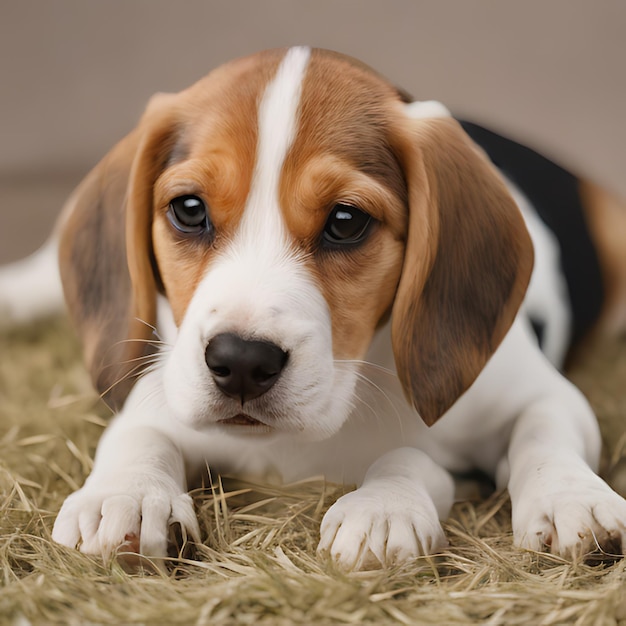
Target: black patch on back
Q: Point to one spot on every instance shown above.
(554, 193)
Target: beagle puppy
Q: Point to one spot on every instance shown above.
(289, 266)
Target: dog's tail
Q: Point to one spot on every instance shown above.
(31, 289)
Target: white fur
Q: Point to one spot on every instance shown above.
(426, 109)
(521, 421)
(547, 298)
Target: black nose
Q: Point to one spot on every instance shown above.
(244, 369)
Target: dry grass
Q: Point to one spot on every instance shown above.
(257, 562)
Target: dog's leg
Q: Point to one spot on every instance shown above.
(393, 517)
(31, 288)
(559, 503)
(137, 488)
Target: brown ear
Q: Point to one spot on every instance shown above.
(467, 264)
(106, 256)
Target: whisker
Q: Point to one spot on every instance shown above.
(156, 356)
(367, 364)
(386, 396)
(390, 396)
(144, 363)
(156, 343)
(142, 368)
(146, 358)
(154, 329)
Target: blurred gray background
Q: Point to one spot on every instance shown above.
(75, 75)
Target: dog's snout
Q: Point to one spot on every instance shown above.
(244, 369)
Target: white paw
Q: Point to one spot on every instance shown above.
(370, 528)
(132, 512)
(571, 518)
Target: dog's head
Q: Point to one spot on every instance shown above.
(286, 206)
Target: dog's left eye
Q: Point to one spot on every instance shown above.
(346, 225)
(188, 214)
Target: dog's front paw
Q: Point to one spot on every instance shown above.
(131, 513)
(571, 518)
(370, 528)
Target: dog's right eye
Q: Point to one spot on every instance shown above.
(189, 214)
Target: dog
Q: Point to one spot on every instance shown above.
(292, 266)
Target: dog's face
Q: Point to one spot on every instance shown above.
(300, 247)
(286, 206)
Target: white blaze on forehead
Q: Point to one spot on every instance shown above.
(277, 126)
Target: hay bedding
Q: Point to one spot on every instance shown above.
(257, 563)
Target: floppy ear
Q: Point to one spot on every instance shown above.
(105, 253)
(468, 260)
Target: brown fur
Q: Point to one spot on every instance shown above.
(95, 273)
(467, 265)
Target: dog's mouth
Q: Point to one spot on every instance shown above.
(242, 420)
